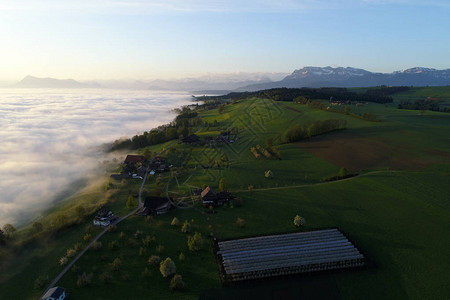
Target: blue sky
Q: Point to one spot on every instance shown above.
(106, 39)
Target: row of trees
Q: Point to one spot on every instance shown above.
(378, 95)
(178, 127)
(299, 132)
(423, 105)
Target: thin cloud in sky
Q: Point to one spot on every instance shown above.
(189, 6)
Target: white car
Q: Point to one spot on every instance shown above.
(136, 176)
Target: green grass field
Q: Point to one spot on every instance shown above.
(396, 211)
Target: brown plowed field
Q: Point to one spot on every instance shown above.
(358, 152)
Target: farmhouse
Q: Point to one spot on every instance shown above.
(55, 293)
(190, 139)
(286, 254)
(158, 164)
(157, 205)
(209, 197)
(134, 159)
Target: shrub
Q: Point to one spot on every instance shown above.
(181, 257)
(77, 247)
(39, 283)
(75, 268)
(240, 222)
(63, 261)
(112, 228)
(87, 237)
(121, 235)
(96, 245)
(114, 245)
(132, 242)
(71, 252)
(175, 222)
(167, 267)
(176, 283)
(154, 260)
(195, 242)
(116, 264)
(84, 279)
(160, 248)
(138, 233)
(147, 240)
(186, 228)
(299, 221)
(141, 251)
(105, 277)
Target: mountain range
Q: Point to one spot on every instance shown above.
(353, 77)
(37, 82)
(221, 84)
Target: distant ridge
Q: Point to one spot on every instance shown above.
(353, 77)
(36, 82)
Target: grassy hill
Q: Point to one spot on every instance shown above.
(396, 211)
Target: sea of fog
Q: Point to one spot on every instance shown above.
(49, 139)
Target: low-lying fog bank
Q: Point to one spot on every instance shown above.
(51, 138)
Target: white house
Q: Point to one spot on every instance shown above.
(55, 293)
(101, 221)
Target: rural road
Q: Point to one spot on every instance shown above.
(140, 204)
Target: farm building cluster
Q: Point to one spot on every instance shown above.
(104, 217)
(133, 167)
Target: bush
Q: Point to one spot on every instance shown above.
(77, 247)
(167, 267)
(105, 277)
(121, 235)
(154, 260)
(71, 252)
(175, 222)
(114, 245)
(112, 228)
(240, 222)
(176, 283)
(87, 237)
(40, 282)
(195, 242)
(63, 261)
(116, 264)
(75, 268)
(181, 257)
(160, 248)
(84, 279)
(299, 221)
(147, 240)
(96, 245)
(186, 228)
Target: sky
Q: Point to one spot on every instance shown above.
(148, 39)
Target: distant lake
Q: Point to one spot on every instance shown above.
(49, 138)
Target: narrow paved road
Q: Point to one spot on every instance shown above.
(140, 204)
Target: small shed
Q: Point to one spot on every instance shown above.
(55, 293)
